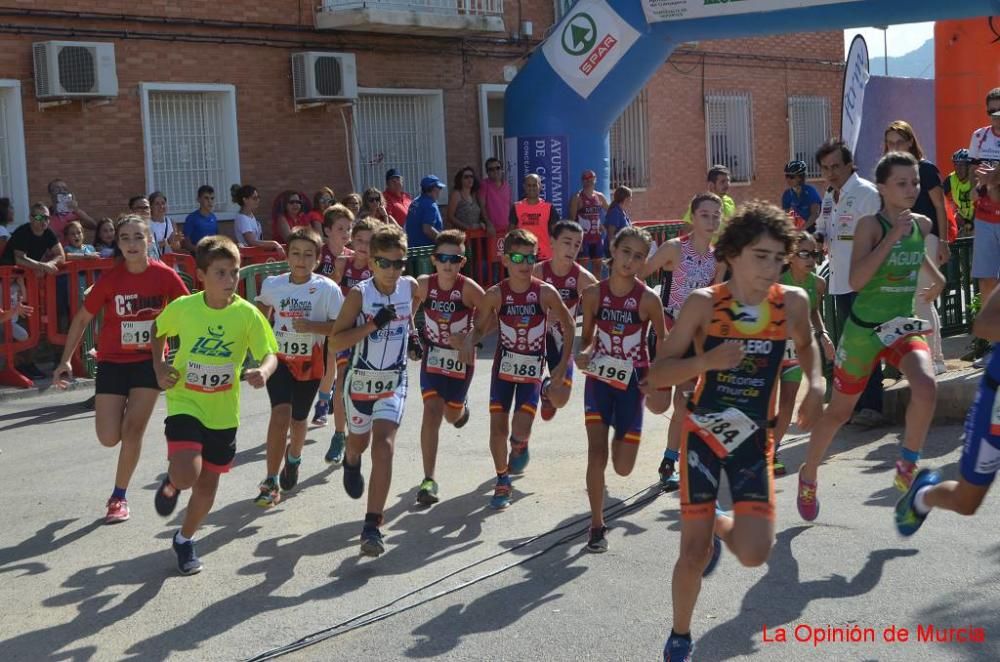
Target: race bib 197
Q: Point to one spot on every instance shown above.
(207, 378)
(520, 368)
(373, 384)
(723, 431)
(613, 371)
(900, 327)
(443, 361)
(137, 335)
(294, 344)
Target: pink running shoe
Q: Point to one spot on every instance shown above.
(807, 501)
(117, 511)
(905, 471)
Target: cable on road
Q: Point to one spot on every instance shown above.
(623, 507)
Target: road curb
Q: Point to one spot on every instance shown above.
(43, 387)
(955, 392)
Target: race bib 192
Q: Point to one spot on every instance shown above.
(723, 431)
(520, 368)
(611, 370)
(443, 361)
(137, 335)
(373, 384)
(207, 378)
(294, 344)
(899, 327)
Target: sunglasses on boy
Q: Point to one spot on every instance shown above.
(448, 258)
(805, 255)
(522, 258)
(386, 263)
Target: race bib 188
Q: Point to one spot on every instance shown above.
(443, 361)
(373, 384)
(900, 327)
(206, 378)
(520, 368)
(611, 370)
(137, 335)
(723, 431)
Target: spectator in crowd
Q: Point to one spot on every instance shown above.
(495, 198)
(617, 217)
(202, 221)
(73, 244)
(958, 191)
(167, 237)
(6, 218)
(139, 205)
(800, 198)
(246, 227)
(65, 208)
(353, 202)
(396, 200)
(464, 211)
(535, 215)
(373, 206)
(287, 212)
(323, 199)
(984, 150)
(423, 221)
(104, 237)
(718, 183)
(848, 199)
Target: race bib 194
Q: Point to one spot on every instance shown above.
(294, 344)
(723, 431)
(206, 378)
(611, 370)
(520, 368)
(137, 335)
(373, 384)
(443, 361)
(900, 327)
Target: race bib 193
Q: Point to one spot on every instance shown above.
(206, 378)
(611, 370)
(373, 384)
(520, 368)
(443, 361)
(294, 344)
(137, 335)
(723, 431)
(900, 327)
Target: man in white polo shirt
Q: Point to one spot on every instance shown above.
(984, 150)
(848, 198)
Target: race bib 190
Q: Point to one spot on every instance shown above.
(137, 335)
(294, 344)
(520, 368)
(443, 361)
(900, 327)
(723, 431)
(206, 378)
(611, 370)
(373, 384)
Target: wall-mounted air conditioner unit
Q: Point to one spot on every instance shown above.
(318, 76)
(74, 70)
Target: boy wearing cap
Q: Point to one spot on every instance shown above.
(423, 219)
(397, 201)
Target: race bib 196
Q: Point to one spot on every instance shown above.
(520, 368)
(137, 335)
(373, 384)
(443, 361)
(900, 327)
(206, 378)
(723, 431)
(611, 370)
(294, 344)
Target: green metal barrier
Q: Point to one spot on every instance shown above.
(252, 276)
(418, 261)
(661, 234)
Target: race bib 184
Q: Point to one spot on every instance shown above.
(520, 368)
(723, 431)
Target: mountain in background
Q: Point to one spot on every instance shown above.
(915, 64)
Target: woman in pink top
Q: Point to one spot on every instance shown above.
(495, 198)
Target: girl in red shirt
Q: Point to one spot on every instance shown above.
(289, 211)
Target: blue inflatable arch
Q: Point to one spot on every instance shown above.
(561, 105)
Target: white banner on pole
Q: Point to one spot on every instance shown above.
(855, 79)
(678, 10)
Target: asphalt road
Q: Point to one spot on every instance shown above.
(461, 582)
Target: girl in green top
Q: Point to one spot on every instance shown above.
(801, 272)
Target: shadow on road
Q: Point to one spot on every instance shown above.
(43, 542)
(44, 415)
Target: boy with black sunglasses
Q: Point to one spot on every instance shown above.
(450, 301)
(521, 306)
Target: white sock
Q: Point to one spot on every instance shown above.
(919, 504)
(180, 540)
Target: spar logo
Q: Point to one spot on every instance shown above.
(579, 37)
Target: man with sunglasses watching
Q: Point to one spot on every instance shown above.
(984, 150)
(423, 220)
(800, 197)
(520, 306)
(397, 201)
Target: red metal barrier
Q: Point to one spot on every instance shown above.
(484, 265)
(80, 275)
(259, 255)
(183, 264)
(27, 292)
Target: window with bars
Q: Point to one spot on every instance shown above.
(808, 128)
(13, 163)
(402, 129)
(729, 133)
(629, 139)
(191, 139)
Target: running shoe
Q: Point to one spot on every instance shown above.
(428, 494)
(371, 542)
(904, 475)
(779, 466)
(165, 504)
(464, 418)
(598, 543)
(981, 362)
(678, 649)
(269, 494)
(908, 520)
(117, 511)
(501, 493)
(335, 454)
(669, 480)
(188, 562)
(548, 410)
(807, 501)
(289, 476)
(322, 408)
(517, 461)
(354, 482)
